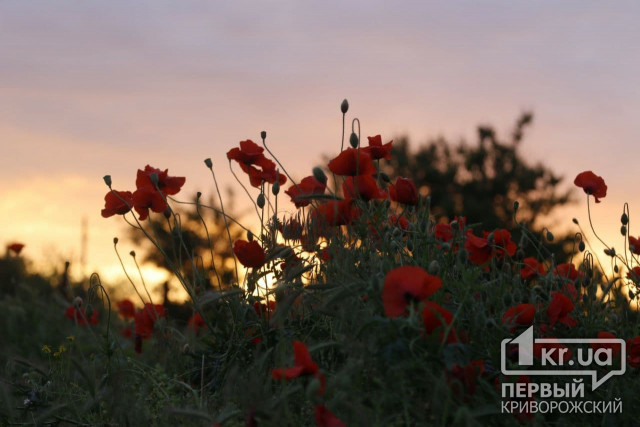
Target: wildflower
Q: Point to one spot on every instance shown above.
(404, 191)
(614, 347)
(61, 349)
(443, 232)
(324, 418)
(46, 349)
(352, 162)
(567, 271)
(559, 309)
(592, 184)
(532, 268)
(502, 243)
(16, 248)
(126, 309)
(478, 249)
(250, 254)
(435, 318)
(633, 352)
(248, 154)
(334, 212)
(377, 150)
(261, 308)
(634, 274)
(462, 379)
(398, 221)
(167, 185)
(78, 315)
(196, 322)
(362, 186)
(146, 319)
(634, 245)
(117, 203)
(404, 285)
(309, 186)
(519, 315)
(145, 198)
(268, 173)
(304, 364)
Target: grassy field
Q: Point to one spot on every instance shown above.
(376, 316)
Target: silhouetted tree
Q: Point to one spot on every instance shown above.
(482, 181)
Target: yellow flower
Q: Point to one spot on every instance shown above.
(46, 349)
(71, 338)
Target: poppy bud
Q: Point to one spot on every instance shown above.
(631, 295)
(107, 180)
(610, 252)
(549, 236)
(132, 253)
(446, 246)
(208, 162)
(344, 107)
(275, 188)
(453, 224)
(434, 267)
(624, 219)
(581, 246)
(575, 221)
(115, 240)
(260, 200)
(249, 236)
(516, 205)
(319, 174)
(198, 195)
(353, 140)
(385, 177)
(623, 230)
(167, 212)
(263, 134)
(154, 179)
(77, 302)
(615, 269)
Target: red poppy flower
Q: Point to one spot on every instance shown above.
(16, 248)
(249, 153)
(404, 191)
(126, 309)
(532, 268)
(362, 186)
(478, 249)
(261, 308)
(502, 243)
(377, 150)
(168, 185)
(266, 174)
(615, 348)
(146, 319)
(352, 162)
(567, 271)
(325, 255)
(559, 309)
(561, 352)
(405, 284)
(519, 315)
(304, 364)
(633, 352)
(309, 186)
(591, 184)
(324, 418)
(250, 254)
(398, 221)
(79, 316)
(634, 274)
(146, 198)
(634, 245)
(462, 379)
(334, 212)
(443, 232)
(117, 203)
(196, 322)
(435, 318)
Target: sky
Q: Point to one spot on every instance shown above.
(95, 88)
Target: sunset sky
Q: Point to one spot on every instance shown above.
(95, 88)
